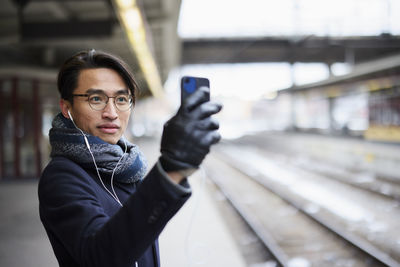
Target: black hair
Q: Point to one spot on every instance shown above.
(69, 72)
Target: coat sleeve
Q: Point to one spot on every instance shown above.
(70, 211)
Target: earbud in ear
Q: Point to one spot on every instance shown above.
(84, 136)
(70, 116)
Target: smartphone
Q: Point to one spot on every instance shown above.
(190, 84)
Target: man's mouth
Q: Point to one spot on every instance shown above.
(108, 128)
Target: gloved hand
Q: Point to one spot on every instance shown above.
(188, 136)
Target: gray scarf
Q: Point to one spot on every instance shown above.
(67, 141)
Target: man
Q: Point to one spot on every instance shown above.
(97, 207)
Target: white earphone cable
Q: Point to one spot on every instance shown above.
(112, 175)
(115, 196)
(97, 169)
(101, 180)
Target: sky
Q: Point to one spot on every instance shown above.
(238, 18)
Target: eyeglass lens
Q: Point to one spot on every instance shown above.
(99, 101)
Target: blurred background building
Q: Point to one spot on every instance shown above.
(319, 79)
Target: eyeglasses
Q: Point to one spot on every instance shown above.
(98, 101)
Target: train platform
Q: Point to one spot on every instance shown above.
(196, 236)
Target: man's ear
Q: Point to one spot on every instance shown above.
(65, 105)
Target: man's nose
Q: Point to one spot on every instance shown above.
(110, 110)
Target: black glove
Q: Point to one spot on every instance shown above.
(188, 136)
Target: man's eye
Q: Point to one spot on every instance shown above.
(95, 99)
(122, 99)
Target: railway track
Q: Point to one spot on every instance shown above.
(385, 186)
(294, 233)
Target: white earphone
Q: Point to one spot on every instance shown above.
(113, 194)
(84, 136)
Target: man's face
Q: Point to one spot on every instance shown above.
(110, 123)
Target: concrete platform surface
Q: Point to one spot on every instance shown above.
(23, 240)
(197, 235)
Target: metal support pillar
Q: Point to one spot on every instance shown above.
(37, 126)
(16, 133)
(331, 118)
(2, 115)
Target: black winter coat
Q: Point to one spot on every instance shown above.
(87, 227)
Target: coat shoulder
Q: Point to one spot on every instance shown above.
(62, 172)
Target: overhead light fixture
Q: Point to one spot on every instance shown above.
(132, 21)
